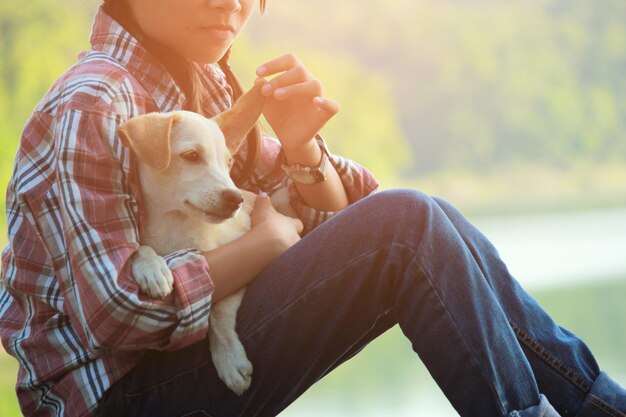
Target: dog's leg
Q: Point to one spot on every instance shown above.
(229, 355)
(151, 273)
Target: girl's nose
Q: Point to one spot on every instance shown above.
(227, 6)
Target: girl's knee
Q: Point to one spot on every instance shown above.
(398, 209)
(403, 202)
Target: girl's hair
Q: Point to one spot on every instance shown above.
(190, 77)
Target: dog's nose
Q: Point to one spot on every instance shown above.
(232, 199)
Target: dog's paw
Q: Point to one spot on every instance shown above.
(233, 366)
(151, 273)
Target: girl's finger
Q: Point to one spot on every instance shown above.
(280, 64)
(295, 75)
(310, 88)
(267, 89)
(263, 202)
(326, 104)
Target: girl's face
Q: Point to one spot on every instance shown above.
(199, 30)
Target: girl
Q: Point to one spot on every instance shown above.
(89, 343)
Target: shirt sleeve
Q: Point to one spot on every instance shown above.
(358, 182)
(99, 214)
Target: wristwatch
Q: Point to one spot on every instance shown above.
(303, 174)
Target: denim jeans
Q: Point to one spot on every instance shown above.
(396, 257)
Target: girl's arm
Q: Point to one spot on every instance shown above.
(297, 109)
(355, 181)
(327, 195)
(97, 212)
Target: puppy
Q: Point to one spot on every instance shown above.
(191, 202)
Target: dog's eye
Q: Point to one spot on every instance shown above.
(191, 156)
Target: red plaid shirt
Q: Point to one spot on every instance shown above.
(70, 310)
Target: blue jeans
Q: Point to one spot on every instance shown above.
(395, 257)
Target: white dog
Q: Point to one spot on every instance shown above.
(191, 202)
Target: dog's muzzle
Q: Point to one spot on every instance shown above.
(231, 200)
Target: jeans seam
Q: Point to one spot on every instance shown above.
(552, 360)
(468, 347)
(196, 412)
(604, 406)
(323, 282)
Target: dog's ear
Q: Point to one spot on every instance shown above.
(149, 136)
(237, 121)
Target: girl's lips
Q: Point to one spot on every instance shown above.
(219, 31)
(219, 27)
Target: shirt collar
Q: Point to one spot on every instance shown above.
(109, 37)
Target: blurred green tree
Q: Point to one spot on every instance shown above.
(39, 39)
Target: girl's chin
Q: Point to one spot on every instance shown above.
(207, 57)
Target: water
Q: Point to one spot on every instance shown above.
(549, 254)
(556, 249)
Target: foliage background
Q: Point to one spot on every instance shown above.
(496, 106)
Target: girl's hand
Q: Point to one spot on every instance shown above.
(295, 108)
(237, 263)
(282, 231)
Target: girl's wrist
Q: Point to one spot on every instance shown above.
(308, 154)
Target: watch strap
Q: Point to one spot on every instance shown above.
(305, 174)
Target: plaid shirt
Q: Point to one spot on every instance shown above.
(70, 310)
